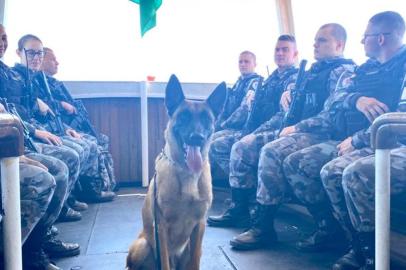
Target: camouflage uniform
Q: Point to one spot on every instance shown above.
(310, 181)
(25, 102)
(60, 172)
(271, 186)
(244, 154)
(99, 167)
(304, 168)
(359, 187)
(36, 190)
(231, 121)
(265, 105)
(238, 103)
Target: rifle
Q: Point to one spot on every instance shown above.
(54, 117)
(10, 108)
(82, 119)
(294, 114)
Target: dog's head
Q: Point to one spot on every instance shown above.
(191, 123)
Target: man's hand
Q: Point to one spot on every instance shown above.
(287, 130)
(43, 107)
(27, 160)
(286, 99)
(73, 133)
(2, 109)
(69, 108)
(345, 147)
(371, 107)
(47, 137)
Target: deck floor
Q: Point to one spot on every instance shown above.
(107, 229)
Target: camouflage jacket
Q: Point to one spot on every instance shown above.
(238, 102)
(267, 97)
(15, 91)
(320, 123)
(342, 119)
(35, 85)
(362, 138)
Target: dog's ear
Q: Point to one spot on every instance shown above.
(173, 94)
(217, 98)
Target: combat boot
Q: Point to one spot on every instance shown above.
(261, 233)
(329, 234)
(77, 205)
(57, 249)
(38, 260)
(367, 243)
(237, 215)
(353, 259)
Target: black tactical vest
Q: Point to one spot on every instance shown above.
(236, 95)
(267, 97)
(383, 82)
(317, 89)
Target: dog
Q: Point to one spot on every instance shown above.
(180, 193)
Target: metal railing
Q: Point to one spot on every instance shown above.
(384, 136)
(11, 147)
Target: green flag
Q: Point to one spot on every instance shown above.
(148, 10)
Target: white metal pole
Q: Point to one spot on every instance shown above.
(10, 186)
(382, 208)
(144, 132)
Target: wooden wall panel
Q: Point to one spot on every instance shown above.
(119, 118)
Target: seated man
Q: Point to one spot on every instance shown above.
(101, 182)
(265, 104)
(237, 106)
(250, 155)
(375, 89)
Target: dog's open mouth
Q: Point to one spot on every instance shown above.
(193, 157)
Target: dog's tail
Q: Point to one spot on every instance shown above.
(140, 256)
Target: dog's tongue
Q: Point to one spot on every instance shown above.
(194, 158)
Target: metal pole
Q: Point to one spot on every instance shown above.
(382, 208)
(10, 184)
(144, 131)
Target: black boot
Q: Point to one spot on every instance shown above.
(38, 260)
(261, 233)
(352, 260)
(329, 234)
(367, 243)
(57, 249)
(237, 215)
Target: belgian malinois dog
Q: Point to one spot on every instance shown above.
(180, 193)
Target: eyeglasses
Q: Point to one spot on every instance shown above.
(375, 35)
(32, 53)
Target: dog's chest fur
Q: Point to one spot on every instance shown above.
(185, 202)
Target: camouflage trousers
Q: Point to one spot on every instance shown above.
(331, 177)
(101, 177)
(66, 155)
(273, 188)
(359, 187)
(244, 158)
(36, 190)
(302, 170)
(220, 148)
(79, 146)
(59, 171)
